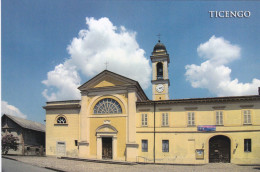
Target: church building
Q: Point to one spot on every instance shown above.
(114, 120)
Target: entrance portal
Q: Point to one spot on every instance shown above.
(107, 148)
(219, 149)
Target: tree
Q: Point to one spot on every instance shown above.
(9, 142)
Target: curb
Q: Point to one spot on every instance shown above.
(9, 158)
(101, 161)
(54, 169)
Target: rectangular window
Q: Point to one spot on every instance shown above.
(144, 119)
(165, 145)
(247, 145)
(247, 117)
(144, 145)
(219, 118)
(165, 119)
(191, 119)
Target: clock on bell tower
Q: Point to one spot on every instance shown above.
(160, 81)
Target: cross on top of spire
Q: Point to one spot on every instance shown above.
(106, 64)
(159, 37)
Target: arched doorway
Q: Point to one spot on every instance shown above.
(219, 149)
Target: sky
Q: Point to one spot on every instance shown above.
(50, 47)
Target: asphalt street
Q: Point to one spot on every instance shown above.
(16, 166)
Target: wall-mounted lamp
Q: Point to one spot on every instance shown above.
(236, 145)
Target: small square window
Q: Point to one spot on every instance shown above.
(165, 145)
(247, 145)
(144, 145)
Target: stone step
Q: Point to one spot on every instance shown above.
(100, 161)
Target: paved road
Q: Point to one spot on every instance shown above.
(82, 166)
(16, 166)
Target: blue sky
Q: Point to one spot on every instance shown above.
(36, 34)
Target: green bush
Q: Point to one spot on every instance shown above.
(9, 142)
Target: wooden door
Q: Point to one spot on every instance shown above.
(219, 149)
(107, 148)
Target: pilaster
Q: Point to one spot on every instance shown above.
(131, 146)
(131, 116)
(84, 128)
(99, 147)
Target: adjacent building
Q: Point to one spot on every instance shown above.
(31, 135)
(115, 120)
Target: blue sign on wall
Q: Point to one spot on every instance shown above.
(206, 128)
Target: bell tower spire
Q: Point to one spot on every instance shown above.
(160, 81)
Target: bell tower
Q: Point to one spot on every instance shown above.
(160, 81)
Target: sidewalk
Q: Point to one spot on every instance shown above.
(78, 166)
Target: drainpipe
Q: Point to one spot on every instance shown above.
(154, 133)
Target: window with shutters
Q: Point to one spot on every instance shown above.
(247, 116)
(144, 119)
(165, 118)
(191, 119)
(219, 117)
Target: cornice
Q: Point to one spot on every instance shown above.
(204, 100)
(64, 102)
(155, 58)
(62, 106)
(161, 81)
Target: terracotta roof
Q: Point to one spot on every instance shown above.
(32, 125)
(204, 100)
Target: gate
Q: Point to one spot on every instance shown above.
(219, 149)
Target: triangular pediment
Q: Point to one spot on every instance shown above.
(107, 79)
(108, 82)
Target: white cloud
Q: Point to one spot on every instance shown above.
(213, 74)
(101, 42)
(65, 79)
(218, 51)
(11, 110)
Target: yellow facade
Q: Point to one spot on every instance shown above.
(58, 132)
(184, 140)
(115, 120)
